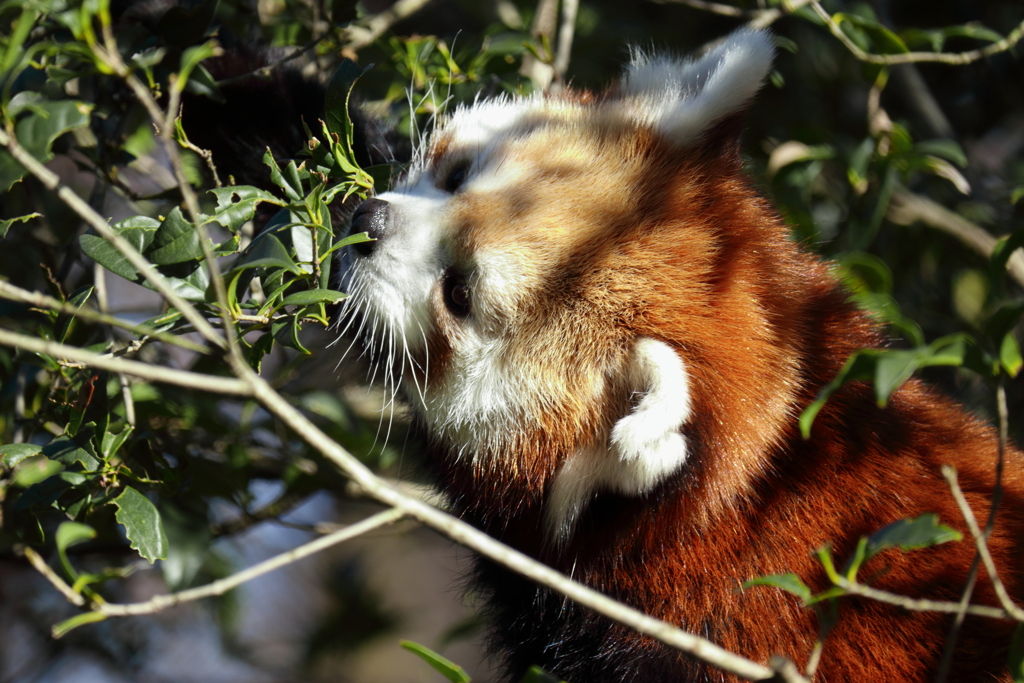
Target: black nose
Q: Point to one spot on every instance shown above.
(370, 217)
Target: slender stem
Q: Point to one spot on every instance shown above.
(222, 586)
(40, 300)
(40, 566)
(918, 605)
(980, 540)
(955, 58)
(565, 35)
(153, 373)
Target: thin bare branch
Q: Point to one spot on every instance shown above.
(222, 586)
(954, 58)
(40, 300)
(759, 18)
(565, 35)
(40, 566)
(373, 28)
(545, 19)
(980, 541)
(165, 120)
(906, 207)
(153, 373)
(918, 605)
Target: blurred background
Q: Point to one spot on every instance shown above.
(904, 176)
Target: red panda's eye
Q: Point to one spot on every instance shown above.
(456, 177)
(456, 293)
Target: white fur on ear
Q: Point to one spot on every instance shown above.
(647, 442)
(645, 446)
(682, 98)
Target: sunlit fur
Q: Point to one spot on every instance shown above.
(620, 399)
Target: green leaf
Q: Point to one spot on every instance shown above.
(5, 225)
(911, 534)
(69, 534)
(17, 38)
(188, 534)
(190, 59)
(34, 470)
(448, 669)
(860, 366)
(112, 441)
(946, 149)
(69, 450)
(142, 524)
(314, 296)
(62, 325)
(139, 231)
(381, 175)
(266, 251)
(1010, 356)
(236, 205)
(176, 241)
(889, 369)
(287, 180)
(190, 283)
(1002, 251)
(351, 239)
(60, 630)
(791, 583)
(37, 132)
(45, 493)
(13, 453)
(538, 675)
(1015, 659)
(339, 89)
(892, 369)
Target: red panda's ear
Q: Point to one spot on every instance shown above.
(683, 99)
(646, 445)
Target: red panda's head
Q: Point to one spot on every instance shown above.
(575, 292)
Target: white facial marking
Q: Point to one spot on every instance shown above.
(645, 446)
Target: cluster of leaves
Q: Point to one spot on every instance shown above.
(136, 461)
(92, 463)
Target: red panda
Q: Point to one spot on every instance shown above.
(607, 337)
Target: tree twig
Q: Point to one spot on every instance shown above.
(222, 586)
(918, 604)
(979, 537)
(565, 34)
(473, 538)
(954, 58)
(153, 373)
(905, 208)
(759, 18)
(40, 300)
(374, 27)
(40, 566)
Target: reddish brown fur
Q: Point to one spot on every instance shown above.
(693, 257)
